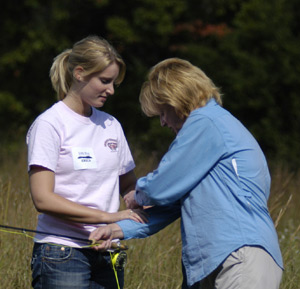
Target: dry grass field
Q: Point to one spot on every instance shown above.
(153, 262)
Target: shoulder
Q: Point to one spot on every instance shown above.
(51, 114)
(214, 116)
(50, 119)
(101, 117)
(205, 116)
(212, 110)
(203, 125)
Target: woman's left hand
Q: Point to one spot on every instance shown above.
(105, 234)
(130, 201)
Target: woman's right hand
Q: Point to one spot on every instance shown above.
(136, 215)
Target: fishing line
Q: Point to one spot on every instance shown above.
(118, 258)
(91, 242)
(114, 269)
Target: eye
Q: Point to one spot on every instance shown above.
(105, 80)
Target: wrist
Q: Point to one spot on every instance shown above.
(117, 232)
(140, 198)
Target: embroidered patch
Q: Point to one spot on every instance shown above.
(112, 144)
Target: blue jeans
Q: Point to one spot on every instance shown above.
(59, 267)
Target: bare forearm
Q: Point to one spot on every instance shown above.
(46, 201)
(58, 206)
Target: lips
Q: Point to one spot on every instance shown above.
(102, 97)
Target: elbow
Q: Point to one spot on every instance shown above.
(42, 200)
(161, 201)
(39, 209)
(39, 205)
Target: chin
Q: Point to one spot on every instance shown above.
(98, 105)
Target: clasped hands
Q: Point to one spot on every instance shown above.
(102, 237)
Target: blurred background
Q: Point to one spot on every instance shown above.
(249, 48)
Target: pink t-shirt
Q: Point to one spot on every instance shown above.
(87, 155)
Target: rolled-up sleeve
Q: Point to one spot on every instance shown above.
(158, 218)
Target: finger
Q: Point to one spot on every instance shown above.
(95, 235)
(141, 211)
(92, 236)
(107, 244)
(129, 204)
(143, 219)
(98, 246)
(134, 205)
(142, 214)
(102, 245)
(138, 218)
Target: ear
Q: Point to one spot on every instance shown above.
(78, 73)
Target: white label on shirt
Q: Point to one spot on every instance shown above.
(83, 158)
(235, 166)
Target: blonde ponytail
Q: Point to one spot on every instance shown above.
(61, 77)
(93, 54)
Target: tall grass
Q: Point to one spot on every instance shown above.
(153, 262)
(16, 209)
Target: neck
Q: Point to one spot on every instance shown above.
(75, 103)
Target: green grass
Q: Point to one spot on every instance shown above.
(153, 262)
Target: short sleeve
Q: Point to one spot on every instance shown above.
(126, 160)
(43, 143)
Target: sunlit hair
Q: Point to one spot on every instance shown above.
(177, 83)
(93, 54)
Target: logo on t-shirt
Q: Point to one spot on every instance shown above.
(112, 144)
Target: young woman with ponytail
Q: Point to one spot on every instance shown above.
(78, 163)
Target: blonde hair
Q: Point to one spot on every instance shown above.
(178, 83)
(93, 54)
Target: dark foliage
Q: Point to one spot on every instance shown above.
(249, 48)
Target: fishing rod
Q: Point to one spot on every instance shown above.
(114, 245)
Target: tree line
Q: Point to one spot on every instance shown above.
(249, 48)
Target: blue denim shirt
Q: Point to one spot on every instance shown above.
(217, 172)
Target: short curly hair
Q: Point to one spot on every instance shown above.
(178, 83)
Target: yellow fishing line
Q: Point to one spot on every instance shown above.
(115, 271)
(31, 237)
(17, 233)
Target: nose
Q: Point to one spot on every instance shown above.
(110, 89)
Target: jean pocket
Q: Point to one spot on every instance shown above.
(56, 252)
